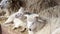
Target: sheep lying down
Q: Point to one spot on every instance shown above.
(32, 24)
(16, 19)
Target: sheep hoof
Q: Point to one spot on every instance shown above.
(14, 28)
(5, 24)
(23, 30)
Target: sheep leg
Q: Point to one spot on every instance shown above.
(9, 20)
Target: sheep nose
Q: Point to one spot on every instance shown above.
(29, 29)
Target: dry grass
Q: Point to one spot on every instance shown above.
(52, 15)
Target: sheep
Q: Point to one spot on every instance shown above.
(11, 6)
(32, 24)
(17, 23)
(56, 31)
(16, 18)
(4, 4)
(15, 15)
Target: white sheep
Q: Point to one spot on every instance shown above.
(32, 23)
(16, 18)
(31, 19)
(15, 15)
(18, 22)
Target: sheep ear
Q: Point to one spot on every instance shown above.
(26, 15)
(21, 9)
(36, 15)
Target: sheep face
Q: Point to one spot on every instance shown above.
(31, 19)
(31, 23)
(5, 3)
(20, 13)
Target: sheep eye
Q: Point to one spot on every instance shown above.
(6, 1)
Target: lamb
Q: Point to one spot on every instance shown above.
(16, 18)
(11, 6)
(32, 24)
(4, 6)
